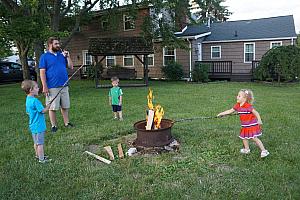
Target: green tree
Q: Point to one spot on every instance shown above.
(21, 23)
(5, 48)
(212, 10)
(279, 63)
(298, 41)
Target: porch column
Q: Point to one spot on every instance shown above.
(96, 71)
(146, 81)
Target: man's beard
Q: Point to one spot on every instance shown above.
(55, 49)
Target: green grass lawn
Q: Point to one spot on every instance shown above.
(208, 165)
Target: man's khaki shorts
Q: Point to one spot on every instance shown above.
(61, 101)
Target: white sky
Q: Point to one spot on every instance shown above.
(253, 9)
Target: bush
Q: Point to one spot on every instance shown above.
(280, 63)
(172, 71)
(91, 71)
(200, 73)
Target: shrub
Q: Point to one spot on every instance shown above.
(91, 71)
(172, 71)
(280, 63)
(200, 73)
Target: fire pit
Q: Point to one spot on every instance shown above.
(155, 137)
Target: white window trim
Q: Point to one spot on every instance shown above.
(102, 27)
(245, 51)
(148, 57)
(124, 15)
(164, 51)
(211, 57)
(275, 42)
(106, 61)
(132, 61)
(84, 52)
(199, 53)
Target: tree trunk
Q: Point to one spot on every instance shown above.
(23, 52)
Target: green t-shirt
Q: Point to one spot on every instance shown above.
(115, 93)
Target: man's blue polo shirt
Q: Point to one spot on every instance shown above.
(56, 69)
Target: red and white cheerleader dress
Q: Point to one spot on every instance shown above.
(250, 127)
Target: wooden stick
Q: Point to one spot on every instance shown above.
(150, 119)
(120, 150)
(98, 157)
(110, 152)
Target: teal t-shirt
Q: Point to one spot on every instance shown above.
(34, 108)
(115, 93)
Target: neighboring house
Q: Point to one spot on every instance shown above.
(123, 26)
(233, 47)
(230, 47)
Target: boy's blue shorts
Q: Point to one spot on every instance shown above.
(39, 138)
(116, 108)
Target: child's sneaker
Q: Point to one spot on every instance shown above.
(45, 160)
(121, 119)
(245, 151)
(115, 118)
(264, 153)
(53, 129)
(45, 157)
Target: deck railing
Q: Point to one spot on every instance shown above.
(218, 67)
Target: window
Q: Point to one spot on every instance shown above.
(169, 55)
(104, 25)
(275, 44)
(249, 52)
(150, 59)
(128, 61)
(215, 52)
(87, 59)
(110, 61)
(128, 23)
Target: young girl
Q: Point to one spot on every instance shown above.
(250, 121)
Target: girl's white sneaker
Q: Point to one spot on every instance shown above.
(245, 151)
(264, 153)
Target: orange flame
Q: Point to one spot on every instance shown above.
(159, 113)
(150, 98)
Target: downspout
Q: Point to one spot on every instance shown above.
(190, 59)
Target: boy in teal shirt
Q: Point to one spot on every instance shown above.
(115, 98)
(37, 123)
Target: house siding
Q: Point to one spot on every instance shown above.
(234, 51)
(80, 41)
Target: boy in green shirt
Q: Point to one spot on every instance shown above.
(115, 98)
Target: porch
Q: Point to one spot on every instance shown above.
(222, 70)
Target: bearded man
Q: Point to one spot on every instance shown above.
(53, 71)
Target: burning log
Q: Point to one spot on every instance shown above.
(155, 114)
(98, 157)
(150, 118)
(110, 152)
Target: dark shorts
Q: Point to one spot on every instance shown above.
(116, 108)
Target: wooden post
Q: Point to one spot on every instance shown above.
(120, 150)
(146, 81)
(96, 71)
(98, 157)
(110, 152)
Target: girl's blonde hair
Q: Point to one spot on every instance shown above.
(249, 95)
